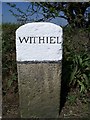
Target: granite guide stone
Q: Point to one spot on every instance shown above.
(39, 89)
(39, 65)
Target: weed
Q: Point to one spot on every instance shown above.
(80, 73)
(72, 99)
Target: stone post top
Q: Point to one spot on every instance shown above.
(34, 26)
(39, 41)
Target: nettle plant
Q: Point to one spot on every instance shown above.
(80, 71)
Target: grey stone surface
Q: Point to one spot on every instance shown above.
(39, 89)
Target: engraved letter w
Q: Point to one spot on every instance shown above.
(21, 40)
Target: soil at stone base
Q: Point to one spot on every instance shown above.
(77, 108)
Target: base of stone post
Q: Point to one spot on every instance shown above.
(39, 89)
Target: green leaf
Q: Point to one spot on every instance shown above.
(79, 60)
(86, 79)
(82, 87)
(56, 14)
(9, 83)
(72, 77)
(85, 63)
(52, 9)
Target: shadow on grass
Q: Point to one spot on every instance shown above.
(64, 83)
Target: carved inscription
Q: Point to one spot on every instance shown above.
(40, 40)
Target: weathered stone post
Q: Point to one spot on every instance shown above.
(39, 55)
